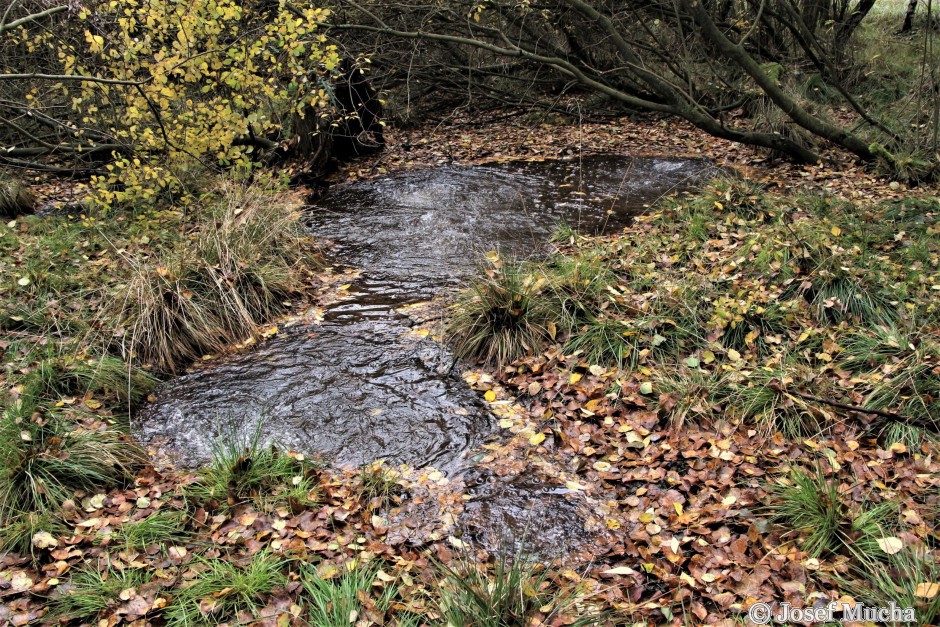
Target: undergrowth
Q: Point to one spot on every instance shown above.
(806, 306)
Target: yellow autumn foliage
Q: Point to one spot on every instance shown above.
(170, 86)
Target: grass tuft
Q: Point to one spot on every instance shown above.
(339, 601)
(222, 590)
(90, 592)
(44, 461)
(515, 592)
(378, 484)
(235, 270)
(245, 470)
(70, 376)
(18, 533)
(506, 313)
(15, 198)
(812, 505)
(161, 528)
(605, 341)
(908, 579)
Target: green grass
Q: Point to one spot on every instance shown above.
(904, 578)
(162, 527)
(70, 376)
(378, 484)
(755, 400)
(17, 534)
(243, 469)
(337, 602)
(781, 293)
(690, 395)
(221, 590)
(836, 298)
(606, 342)
(513, 592)
(565, 234)
(812, 505)
(234, 270)
(914, 392)
(44, 461)
(89, 592)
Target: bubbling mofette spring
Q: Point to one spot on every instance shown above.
(358, 386)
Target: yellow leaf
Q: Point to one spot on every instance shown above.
(678, 508)
(601, 466)
(620, 570)
(537, 439)
(574, 378)
(927, 590)
(836, 231)
(734, 355)
(490, 396)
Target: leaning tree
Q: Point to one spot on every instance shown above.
(762, 72)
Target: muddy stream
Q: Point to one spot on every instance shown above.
(358, 386)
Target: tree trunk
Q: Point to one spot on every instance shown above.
(909, 17)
